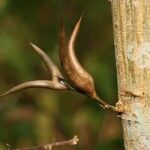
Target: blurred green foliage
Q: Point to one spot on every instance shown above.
(38, 116)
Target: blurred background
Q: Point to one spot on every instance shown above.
(39, 116)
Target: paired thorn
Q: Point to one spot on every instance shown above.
(80, 80)
(57, 82)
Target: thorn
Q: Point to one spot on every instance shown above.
(75, 73)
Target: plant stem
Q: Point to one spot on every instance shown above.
(131, 24)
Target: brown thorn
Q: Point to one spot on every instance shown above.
(57, 83)
(75, 73)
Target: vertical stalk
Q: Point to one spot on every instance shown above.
(131, 25)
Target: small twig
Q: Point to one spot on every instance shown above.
(105, 105)
(73, 141)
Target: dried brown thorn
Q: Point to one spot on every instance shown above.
(57, 82)
(81, 81)
(79, 78)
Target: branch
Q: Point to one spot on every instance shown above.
(73, 141)
(81, 81)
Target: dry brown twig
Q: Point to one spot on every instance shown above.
(72, 141)
(79, 79)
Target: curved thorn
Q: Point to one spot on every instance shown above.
(52, 68)
(37, 84)
(71, 50)
(75, 73)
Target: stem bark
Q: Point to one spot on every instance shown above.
(131, 26)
